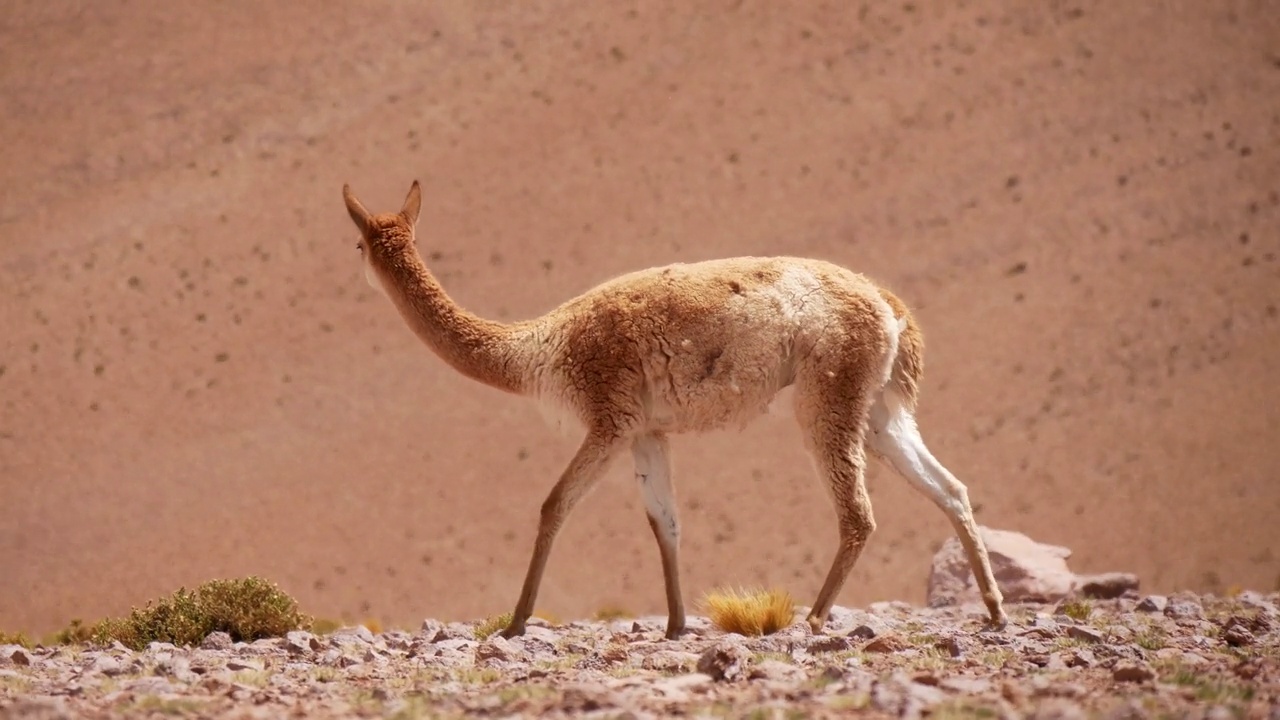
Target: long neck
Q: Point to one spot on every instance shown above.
(481, 349)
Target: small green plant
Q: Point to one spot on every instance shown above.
(478, 676)
(75, 633)
(246, 609)
(8, 638)
(492, 625)
(1077, 609)
(750, 612)
(1151, 638)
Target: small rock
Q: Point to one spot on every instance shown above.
(726, 660)
(1046, 622)
(398, 640)
(872, 627)
(1082, 659)
(536, 648)
(1056, 661)
(827, 643)
(497, 647)
(775, 670)
(430, 629)
(540, 634)
(669, 661)
(1238, 636)
(459, 644)
(1184, 607)
(217, 640)
(300, 642)
(106, 665)
(1106, 586)
(352, 635)
(1152, 603)
(1132, 671)
(889, 643)
(953, 645)
(15, 654)
(1084, 633)
(610, 657)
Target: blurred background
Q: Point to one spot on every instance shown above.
(1080, 200)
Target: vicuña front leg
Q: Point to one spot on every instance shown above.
(653, 472)
(895, 437)
(586, 468)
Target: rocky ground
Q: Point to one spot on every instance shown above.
(1183, 656)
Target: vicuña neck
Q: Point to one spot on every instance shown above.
(481, 349)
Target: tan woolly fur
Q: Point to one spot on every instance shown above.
(688, 348)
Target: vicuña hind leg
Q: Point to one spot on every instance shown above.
(653, 472)
(895, 437)
(833, 425)
(586, 468)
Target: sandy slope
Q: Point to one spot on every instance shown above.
(1080, 199)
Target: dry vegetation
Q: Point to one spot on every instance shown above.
(247, 609)
(749, 612)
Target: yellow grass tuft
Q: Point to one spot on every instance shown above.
(548, 616)
(613, 612)
(750, 612)
(492, 625)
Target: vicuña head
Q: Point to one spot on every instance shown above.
(385, 238)
(688, 348)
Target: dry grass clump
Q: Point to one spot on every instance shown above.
(246, 609)
(612, 612)
(8, 638)
(750, 612)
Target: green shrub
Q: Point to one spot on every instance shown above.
(75, 633)
(1077, 609)
(246, 609)
(492, 625)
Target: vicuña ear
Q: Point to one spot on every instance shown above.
(359, 215)
(412, 204)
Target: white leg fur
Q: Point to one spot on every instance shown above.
(894, 437)
(653, 474)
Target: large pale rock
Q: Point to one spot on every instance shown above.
(1025, 570)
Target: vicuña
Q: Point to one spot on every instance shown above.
(689, 348)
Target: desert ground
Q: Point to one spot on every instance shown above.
(1079, 200)
(1187, 656)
